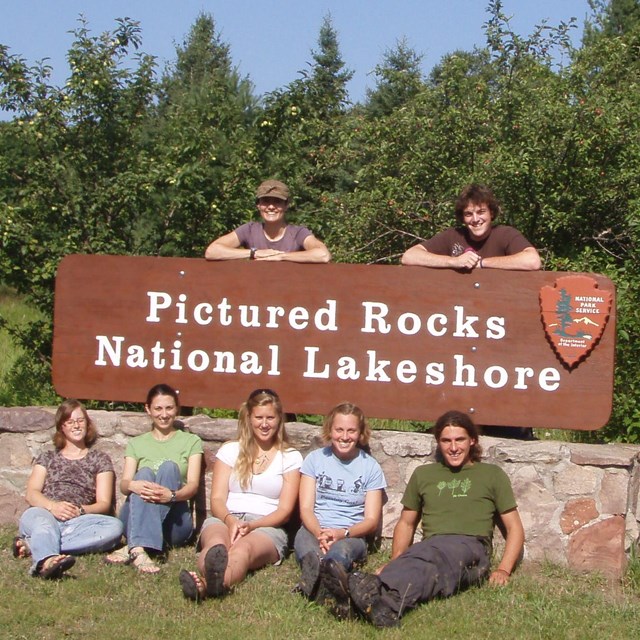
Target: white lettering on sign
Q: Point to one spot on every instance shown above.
(368, 364)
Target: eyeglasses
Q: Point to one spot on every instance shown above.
(77, 421)
(268, 392)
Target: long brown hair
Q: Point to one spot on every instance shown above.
(248, 448)
(63, 414)
(458, 419)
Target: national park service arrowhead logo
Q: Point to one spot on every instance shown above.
(574, 315)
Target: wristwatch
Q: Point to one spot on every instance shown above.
(347, 533)
(252, 253)
(82, 511)
(173, 497)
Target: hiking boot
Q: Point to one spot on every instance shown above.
(365, 592)
(310, 574)
(335, 580)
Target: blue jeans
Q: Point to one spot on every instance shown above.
(148, 524)
(347, 552)
(46, 536)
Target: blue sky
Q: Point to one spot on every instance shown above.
(271, 40)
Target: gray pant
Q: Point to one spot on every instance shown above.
(437, 567)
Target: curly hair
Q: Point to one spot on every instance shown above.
(63, 414)
(458, 419)
(348, 409)
(477, 194)
(246, 439)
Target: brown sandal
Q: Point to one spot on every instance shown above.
(54, 566)
(20, 548)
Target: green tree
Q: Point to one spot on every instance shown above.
(399, 78)
(610, 18)
(201, 145)
(77, 180)
(301, 129)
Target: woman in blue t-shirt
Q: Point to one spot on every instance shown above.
(341, 495)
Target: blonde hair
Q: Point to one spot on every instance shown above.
(246, 440)
(348, 409)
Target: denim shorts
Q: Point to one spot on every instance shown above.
(277, 535)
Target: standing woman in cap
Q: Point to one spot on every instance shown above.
(272, 239)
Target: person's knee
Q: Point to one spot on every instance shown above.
(145, 473)
(168, 474)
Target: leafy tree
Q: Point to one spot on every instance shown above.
(301, 128)
(399, 78)
(202, 146)
(77, 180)
(610, 18)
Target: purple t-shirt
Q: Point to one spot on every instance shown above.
(502, 241)
(251, 235)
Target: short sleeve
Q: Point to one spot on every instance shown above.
(228, 453)
(292, 460)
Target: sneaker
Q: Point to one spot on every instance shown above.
(310, 574)
(364, 589)
(335, 579)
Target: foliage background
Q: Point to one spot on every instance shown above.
(126, 158)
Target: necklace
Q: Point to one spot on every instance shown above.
(262, 462)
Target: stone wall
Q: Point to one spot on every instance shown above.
(579, 503)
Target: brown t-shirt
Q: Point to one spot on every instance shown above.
(502, 241)
(73, 480)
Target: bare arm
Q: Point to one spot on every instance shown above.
(220, 490)
(104, 494)
(127, 483)
(286, 503)
(314, 251)
(404, 531)
(307, 504)
(60, 509)
(512, 549)
(367, 526)
(227, 247)
(418, 256)
(526, 260)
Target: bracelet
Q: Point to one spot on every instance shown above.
(504, 571)
(481, 264)
(252, 253)
(224, 520)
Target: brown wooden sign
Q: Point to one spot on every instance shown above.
(402, 342)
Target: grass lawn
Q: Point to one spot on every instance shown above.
(98, 601)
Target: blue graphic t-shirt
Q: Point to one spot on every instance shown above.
(341, 485)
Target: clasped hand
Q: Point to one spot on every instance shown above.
(468, 260)
(151, 491)
(328, 536)
(64, 511)
(239, 529)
